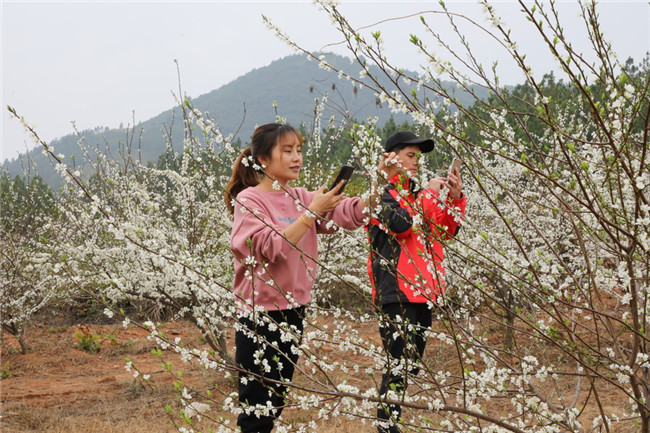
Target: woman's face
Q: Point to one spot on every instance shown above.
(286, 159)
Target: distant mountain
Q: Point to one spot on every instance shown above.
(292, 82)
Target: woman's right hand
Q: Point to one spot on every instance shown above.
(326, 201)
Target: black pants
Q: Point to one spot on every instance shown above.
(253, 353)
(400, 344)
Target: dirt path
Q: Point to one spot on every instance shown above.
(57, 384)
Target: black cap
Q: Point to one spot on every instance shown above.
(409, 138)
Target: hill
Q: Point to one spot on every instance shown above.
(292, 82)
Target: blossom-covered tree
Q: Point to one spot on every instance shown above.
(548, 279)
(557, 234)
(30, 276)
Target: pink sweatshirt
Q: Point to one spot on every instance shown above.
(269, 271)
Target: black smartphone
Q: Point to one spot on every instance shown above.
(344, 174)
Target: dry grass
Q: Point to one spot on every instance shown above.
(109, 415)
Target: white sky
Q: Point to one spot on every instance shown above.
(97, 63)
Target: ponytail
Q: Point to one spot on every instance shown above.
(243, 176)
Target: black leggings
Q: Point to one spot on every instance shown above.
(393, 334)
(253, 352)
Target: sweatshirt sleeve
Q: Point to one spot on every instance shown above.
(348, 214)
(255, 234)
(439, 215)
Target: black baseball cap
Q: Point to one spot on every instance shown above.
(409, 138)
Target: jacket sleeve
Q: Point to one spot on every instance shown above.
(397, 219)
(445, 219)
(255, 234)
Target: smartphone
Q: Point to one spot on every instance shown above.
(344, 174)
(456, 163)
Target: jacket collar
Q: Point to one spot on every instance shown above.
(400, 182)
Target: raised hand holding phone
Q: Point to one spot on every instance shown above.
(455, 166)
(326, 199)
(344, 175)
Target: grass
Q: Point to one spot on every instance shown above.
(110, 415)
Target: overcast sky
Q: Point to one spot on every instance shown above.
(97, 63)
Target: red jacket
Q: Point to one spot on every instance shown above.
(405, 262)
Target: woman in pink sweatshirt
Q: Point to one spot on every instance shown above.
(276, 260)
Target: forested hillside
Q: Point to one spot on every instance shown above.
(292, 84)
